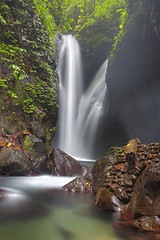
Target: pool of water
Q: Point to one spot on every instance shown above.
(36, 213)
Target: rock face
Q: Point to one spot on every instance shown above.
(37, 152)
(14, 162)
(136, 194)
(23, 154)
(101, 167)
(30, 103)
(144, 209)
(133, 78)
(81, 184)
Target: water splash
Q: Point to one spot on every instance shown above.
(81, 112)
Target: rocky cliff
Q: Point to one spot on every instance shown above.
(28, 86)
(134, 77)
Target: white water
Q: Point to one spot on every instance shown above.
(80, 111)
(69, 70)
(34, 184)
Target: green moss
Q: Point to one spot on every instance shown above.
(27, 144)
(25, 49)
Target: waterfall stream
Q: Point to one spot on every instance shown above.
(81, 110)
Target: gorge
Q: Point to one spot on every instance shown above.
(111, 102)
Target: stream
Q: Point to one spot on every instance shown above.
(32, 209)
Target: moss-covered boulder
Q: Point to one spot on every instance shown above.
(37, 153)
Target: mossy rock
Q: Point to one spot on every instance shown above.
(36, 150)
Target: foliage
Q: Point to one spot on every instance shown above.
(96, 23)
(124, 18)
(27, 30)
(26, 60)
(81, 16)
(43, 8)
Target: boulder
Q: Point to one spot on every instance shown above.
(37, 152)
(102, 166)
(65, 165)
(106, 200)
(117, 179)
(143, 211)
(112, 182)
(81, 184)
(14, 162)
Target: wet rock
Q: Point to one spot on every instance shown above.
(38, 130)
(124, 168)
(144, 207)
(121, 194)
(80, 184)
(146, 223)
(36, 151)
(115, 182)
(106, 200)
(14, 162)
(65, 165)
(102, 167)
(131, 153)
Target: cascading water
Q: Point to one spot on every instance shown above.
(80, 111)
(70, 81)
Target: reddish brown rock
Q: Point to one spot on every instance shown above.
(121, 194)
(106, 200)
(135, 194)
(144, 207)
(80, 184)
(101, 170)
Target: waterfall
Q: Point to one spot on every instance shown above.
(81, 111)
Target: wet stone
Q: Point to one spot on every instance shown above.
(107, 180)
(133, 177)
(121, 194)
(121, 160)
(119, 175)
(139, 149)
(129, 190)
(113, 187)
(128, 182)
(106, 185)
(121, 182)
(157, 160)
(129, 195)
(149, 156)
(124, 168)
(115, 179)
(117, 167)
(112, 172)
(156, 151)
(154, 156)
(142, 158)
(141, 165)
